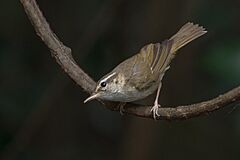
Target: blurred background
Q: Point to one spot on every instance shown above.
(42, 115)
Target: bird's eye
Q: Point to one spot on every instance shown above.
(103, 84)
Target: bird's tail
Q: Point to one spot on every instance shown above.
(186, 34)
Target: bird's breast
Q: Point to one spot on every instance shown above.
(131, 93)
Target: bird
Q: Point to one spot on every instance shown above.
(141, 75)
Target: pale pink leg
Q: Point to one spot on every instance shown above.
(156, 105)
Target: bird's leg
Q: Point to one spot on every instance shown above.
(156, 106)
(121, 105)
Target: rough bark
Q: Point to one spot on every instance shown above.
(63, 56)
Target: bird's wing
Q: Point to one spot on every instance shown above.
(149, 64)
(157, 56)
(153, 60)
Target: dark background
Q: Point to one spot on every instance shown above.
(42, 115)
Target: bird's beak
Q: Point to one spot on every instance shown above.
(93, 96)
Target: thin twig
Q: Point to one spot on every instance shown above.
(64, 58)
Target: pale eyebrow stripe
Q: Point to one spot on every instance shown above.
(108, 77)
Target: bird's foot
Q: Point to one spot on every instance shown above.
(121, 109)
(154, 110)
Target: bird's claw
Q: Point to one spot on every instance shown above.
(154, 110)
(121, 109)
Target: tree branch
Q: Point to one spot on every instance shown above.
(64, 58)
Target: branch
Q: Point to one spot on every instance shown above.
(59, 51)
(64, 58)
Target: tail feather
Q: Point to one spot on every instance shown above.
(186, 34)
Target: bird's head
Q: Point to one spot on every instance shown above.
(108, 87)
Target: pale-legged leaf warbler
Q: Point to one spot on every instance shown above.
(141, 75)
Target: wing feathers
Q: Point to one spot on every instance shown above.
(156, 55)
(165, 57)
